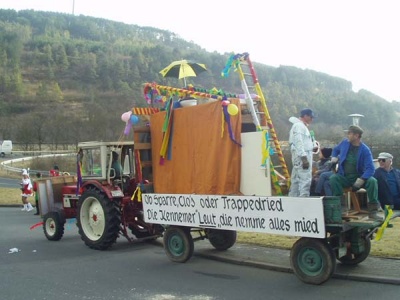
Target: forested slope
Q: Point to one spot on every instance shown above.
(66, 78)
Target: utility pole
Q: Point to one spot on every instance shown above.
(73, 7)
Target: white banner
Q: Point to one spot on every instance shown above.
(277, 215)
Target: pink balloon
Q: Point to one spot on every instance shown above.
(126, 116)
(225, 102)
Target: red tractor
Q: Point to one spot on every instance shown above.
(103, 197)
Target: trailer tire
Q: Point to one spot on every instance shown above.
(98, 220)
(221, 239)
(354, 259)
(53, 227)
(312, 260)
(178, 244)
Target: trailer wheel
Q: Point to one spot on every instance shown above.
(98, 220)
(178, 244)
(353, 259)
(313, 260)
(52, 226)
(221, 239)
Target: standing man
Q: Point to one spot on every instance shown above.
(356, 169)
(388, 181)
(301, 147)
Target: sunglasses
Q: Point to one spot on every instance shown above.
(382, 160)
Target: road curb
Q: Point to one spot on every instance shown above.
(245, 262)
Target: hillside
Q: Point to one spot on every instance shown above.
(66, 78)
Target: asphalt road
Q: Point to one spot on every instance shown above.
(68, 270)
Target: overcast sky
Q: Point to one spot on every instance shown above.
(357, 40)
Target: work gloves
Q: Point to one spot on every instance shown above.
(334, 162)
(358, 184)
(305, 163)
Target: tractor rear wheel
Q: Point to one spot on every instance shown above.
(178, 243)
(98, 220)
(221, 239)
(52, 226)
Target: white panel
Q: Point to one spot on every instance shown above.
(254, 179)
(43, 203)
(293, 216)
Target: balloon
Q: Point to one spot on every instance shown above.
(232, 109)
(134, 119)
(127, 128)
(225, 102)
(125, 116)
(177, 104)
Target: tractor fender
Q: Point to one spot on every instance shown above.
(61, 214)
(97, 185)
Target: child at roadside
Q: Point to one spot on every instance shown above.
(26, 188)
(35, 189)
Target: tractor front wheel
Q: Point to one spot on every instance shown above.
(98, 220)
(53, 227)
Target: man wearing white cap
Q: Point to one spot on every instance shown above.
(301, 147)
(388, 181)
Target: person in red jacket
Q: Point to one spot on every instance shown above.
(55, 171)
(35, 189)
(26, 188)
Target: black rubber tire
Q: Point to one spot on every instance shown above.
(221, 239)
(98, 220)
(354, 259)
(312, 260)
(53, 228)
(178, 244)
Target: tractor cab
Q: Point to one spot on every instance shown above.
(108, 162)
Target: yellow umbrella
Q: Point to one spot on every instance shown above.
(182, 69)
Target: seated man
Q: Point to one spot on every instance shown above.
(356, 169)
(320, 179)
(388, 181)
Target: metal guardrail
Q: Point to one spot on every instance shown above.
(6, 164)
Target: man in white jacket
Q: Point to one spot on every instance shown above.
(301, 147)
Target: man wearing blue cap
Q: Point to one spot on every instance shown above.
(301, 147)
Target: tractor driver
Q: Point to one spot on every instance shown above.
(116, 165)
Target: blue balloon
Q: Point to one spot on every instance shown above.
(134, 119)
(177, 104)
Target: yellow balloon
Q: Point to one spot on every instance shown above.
(233, 109)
